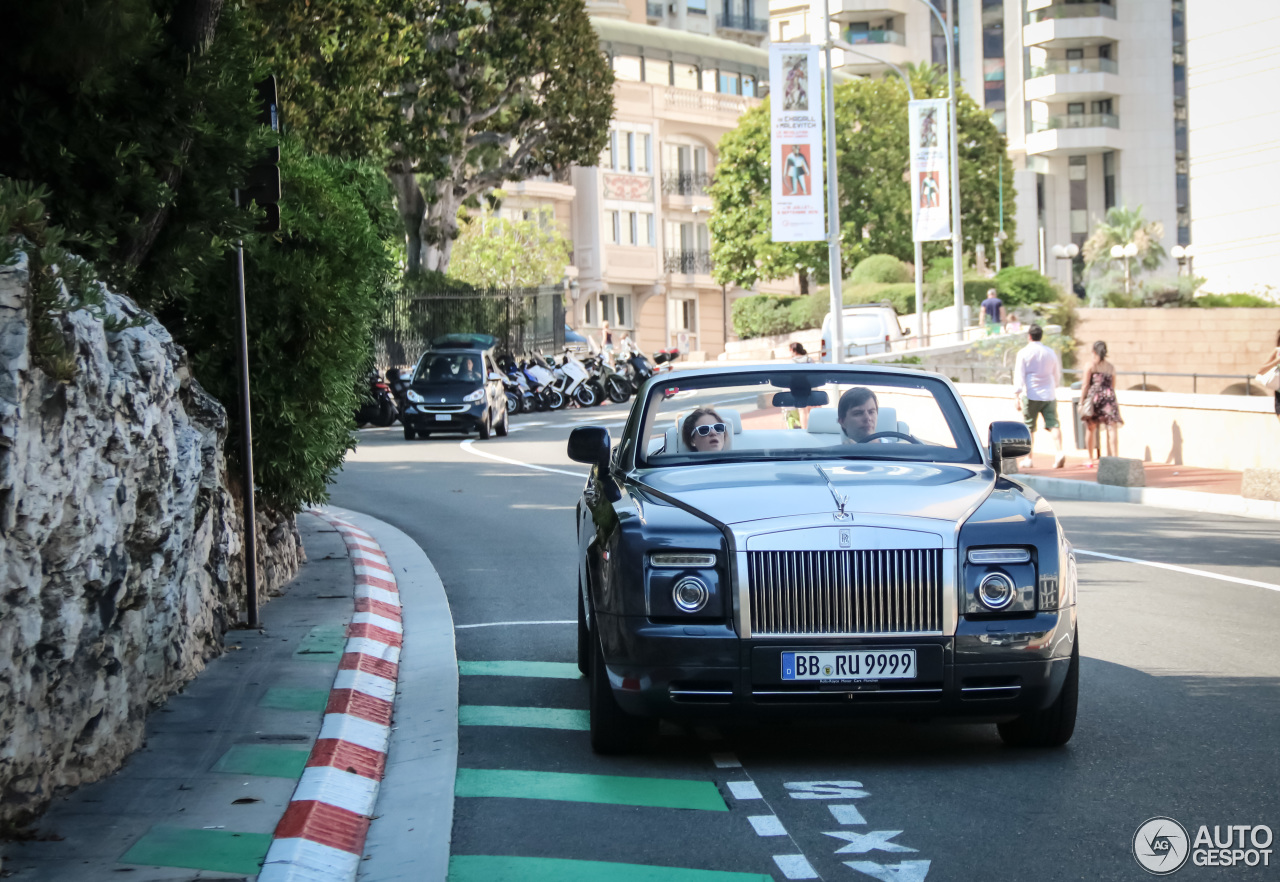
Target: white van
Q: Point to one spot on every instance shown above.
(868, 329)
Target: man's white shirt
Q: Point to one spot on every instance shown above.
(1037, 372)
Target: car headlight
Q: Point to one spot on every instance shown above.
(414, 397)
(477, 395)
(999, 581)
(996, 591)
(681, 559)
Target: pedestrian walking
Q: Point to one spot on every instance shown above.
(1098, 406)
(606, 336)
(993, 309)
(798, 417)
(1269, 373)
(1036, 377)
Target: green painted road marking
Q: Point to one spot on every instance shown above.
(296, 699)
(269, 760)
(530, 717)
(555, 670)
(322, 643)
(495, 868)
(572, 787)
(220, 850)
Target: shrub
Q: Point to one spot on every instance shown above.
(762, 315)
(1247, 301)
(882, 268)
(1022, 286)
(312, 293)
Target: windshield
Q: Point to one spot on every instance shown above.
(453, 367)
(861, 326)
(819, 414)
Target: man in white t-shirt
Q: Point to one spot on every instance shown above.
(1036, 377)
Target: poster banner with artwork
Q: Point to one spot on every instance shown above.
(795, 118)
(927, 128)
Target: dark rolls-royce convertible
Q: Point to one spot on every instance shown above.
(875, 560)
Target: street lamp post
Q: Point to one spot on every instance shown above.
(1183, 254)
(1125, 253)
(1066, 252)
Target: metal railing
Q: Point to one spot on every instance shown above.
(859, 38)
(740, 22)
(685, 183)
(523, 319)
(1060, 66)
(1075, 121)
(687, 262)
(999, 373)
(1071, 10)
(707, 102)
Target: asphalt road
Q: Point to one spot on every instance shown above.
(1179, 706)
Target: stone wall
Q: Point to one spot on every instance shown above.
(120, 555)
(1204, 341)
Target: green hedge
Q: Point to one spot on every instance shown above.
(881, 268)
(1247, 301)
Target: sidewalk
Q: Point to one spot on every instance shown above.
(276, 746)
(1176, 477)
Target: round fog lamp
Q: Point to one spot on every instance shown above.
(996, 591)
(690, 594)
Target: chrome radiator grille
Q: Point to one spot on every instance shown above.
(845, 592)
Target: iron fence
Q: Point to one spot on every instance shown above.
(522, 320)
(685, 183)
(687, 262)
(999, 373)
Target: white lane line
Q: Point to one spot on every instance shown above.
(725, 761)
(1188, 570)
(861, 843)
(767, 825)
(847, 814)
(466, 445)
(743, 790)
(795, 866)
(907, 871)
(501, 624)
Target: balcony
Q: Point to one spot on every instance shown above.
(740, 22)
(1074, 133)
(888, 46)
(860, 38)
(1072, 80)
(687, 262)
(707, 107)
(685, 183)
(656, 10)
(862, 10)
(1071, 24)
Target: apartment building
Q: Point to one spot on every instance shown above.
(1092, 97)
(686, 71)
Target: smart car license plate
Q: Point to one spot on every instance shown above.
(443, 417)
(869, 664)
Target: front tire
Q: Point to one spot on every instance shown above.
(1053, 726)
(584, 638)
(486, 427)
(613, 730)
(513, 402)
(585, 395)
(503, 426)
(618, 392)
(556, 399)
(409, 433)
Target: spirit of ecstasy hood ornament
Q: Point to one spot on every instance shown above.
(842, 499)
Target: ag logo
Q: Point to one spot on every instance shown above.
(826, 669)
(845, 540)
(1160, 846)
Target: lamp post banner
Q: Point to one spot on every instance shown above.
(927, 126)
(795, 117)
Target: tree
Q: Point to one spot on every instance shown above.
(1120, 227)
(872, 160)
(338, 64)
(495, 91)
(496, 252)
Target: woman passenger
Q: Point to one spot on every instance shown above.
(705, 431)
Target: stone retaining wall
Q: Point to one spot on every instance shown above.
(120, 554)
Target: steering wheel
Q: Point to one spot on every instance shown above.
(903, 435)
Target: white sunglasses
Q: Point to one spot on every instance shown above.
(718, 428)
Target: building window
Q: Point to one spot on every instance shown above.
(697, 7)
(627, 67)
(612, 308)
(613, 226)
(657, 72)
(1108, 180)
(729, 83)
(685, 76)
(748, 86)
(707, 79)
(684, 315)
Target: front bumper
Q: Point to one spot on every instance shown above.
(417, 418)
(988, 671)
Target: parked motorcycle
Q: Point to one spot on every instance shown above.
(572, 379)
(614, 384)
(545, 382)
(379, 407)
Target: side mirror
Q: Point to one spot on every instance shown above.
(495, 376)
(590, 445)
(1009, 440)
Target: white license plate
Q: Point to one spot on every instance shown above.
(443, 417)
(860, 664)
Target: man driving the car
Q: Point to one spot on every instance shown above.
(857, 414)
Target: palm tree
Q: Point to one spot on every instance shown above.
(1120, 227)
(926, 79)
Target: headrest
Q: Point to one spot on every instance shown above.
(825, 420)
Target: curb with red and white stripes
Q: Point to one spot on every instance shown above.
(323, 831)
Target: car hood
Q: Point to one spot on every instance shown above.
(739, 492)
(447, 392)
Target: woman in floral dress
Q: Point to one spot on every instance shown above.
(1099, 385)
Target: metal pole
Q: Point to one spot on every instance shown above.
(957, 244)
(833, 197)
(921, 320)
(1000, 236)
(246, 441)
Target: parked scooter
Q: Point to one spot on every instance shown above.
(572, 379)
(379, 407)
(544, 383)
(616, 386)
